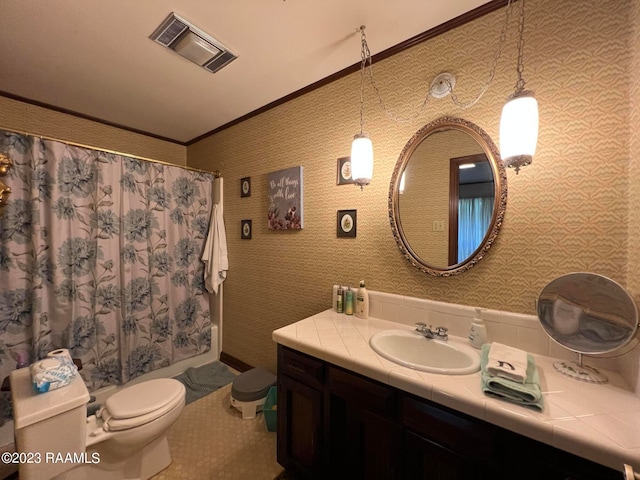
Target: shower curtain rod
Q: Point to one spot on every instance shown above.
(137, 157)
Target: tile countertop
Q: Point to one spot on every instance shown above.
(597, 422)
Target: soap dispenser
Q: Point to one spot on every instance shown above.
(478, 332)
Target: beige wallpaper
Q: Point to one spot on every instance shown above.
(27, 118)
(633, 237)
(569, 211)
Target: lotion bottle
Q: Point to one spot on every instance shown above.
(348, 302)
(362, 301)
(478, 332)
(339, 305)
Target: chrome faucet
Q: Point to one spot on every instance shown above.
(439, 333)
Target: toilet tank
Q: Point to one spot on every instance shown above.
(48, 423)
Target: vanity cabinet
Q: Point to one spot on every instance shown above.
(333, 423)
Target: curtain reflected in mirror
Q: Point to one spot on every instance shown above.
(447, 196)
(471, 191)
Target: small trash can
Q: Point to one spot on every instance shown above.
(270, 409)
(249, 391)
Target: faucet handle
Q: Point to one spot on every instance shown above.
(421, 326)
(442, 332)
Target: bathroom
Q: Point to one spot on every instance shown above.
(573, 209)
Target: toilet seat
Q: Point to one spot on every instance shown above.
(140, 404)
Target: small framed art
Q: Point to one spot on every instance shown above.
(245, 187)
(245, 229)
(344, 171)
(347, 223)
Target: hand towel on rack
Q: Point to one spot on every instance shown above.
(528, 394)
(216, 262)
(507, 362)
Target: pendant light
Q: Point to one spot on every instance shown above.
(362, 148)
(519, 121)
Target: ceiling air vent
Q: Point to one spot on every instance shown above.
(192, 43)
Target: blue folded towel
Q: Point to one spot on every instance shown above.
(527, 394)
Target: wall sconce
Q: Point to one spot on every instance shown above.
(519, 121)
(362, 148)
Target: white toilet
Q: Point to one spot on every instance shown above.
(125, 439)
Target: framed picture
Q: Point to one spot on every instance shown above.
(245, 187)
(347, 223)
(285, 199)
(245, 229)
(344, 171)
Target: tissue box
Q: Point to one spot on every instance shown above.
(52, 373)
(270, 409)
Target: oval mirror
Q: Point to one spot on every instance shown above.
(588, 314)
(447, 197)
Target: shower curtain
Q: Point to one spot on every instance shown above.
(100, 254)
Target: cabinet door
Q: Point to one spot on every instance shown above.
(426, 460)
(364, 437)
(299, 427)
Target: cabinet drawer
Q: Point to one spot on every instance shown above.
(302, 367)
(450, 429)
(364, 392)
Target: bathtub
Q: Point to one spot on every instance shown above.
(6, 431)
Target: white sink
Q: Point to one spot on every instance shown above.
(410, 349)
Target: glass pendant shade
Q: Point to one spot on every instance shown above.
(361, 160)
(519, 130)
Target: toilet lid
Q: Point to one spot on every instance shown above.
(141, 403)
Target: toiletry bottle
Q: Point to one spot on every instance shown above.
(478, 332)
(362, 301)
(339, 305)
(348, 302)
(22, 360)
(334, 303)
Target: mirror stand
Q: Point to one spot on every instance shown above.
(579, 371)
(587, 314)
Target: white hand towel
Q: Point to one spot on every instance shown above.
(216, 262)
(507, 362)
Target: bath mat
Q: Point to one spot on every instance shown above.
(203, 380)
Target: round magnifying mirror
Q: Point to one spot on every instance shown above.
(588, 314)
(447, 197)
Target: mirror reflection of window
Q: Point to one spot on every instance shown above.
(475, 204)
(473, 198)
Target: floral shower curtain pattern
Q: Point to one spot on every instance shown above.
(100, 254)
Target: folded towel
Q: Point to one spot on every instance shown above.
(507, 362)
(527, 394)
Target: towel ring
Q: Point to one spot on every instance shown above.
(588, 314)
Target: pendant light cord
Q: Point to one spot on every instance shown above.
(365, 56)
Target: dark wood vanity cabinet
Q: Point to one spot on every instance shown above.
(336, 424)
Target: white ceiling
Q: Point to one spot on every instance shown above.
(95, 58)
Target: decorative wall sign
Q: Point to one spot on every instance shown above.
(285, 199)
(347, 223)
(245, 229)
(245, 187)
(344, 171)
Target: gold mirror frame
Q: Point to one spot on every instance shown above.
(5, 165)
(500, 194)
